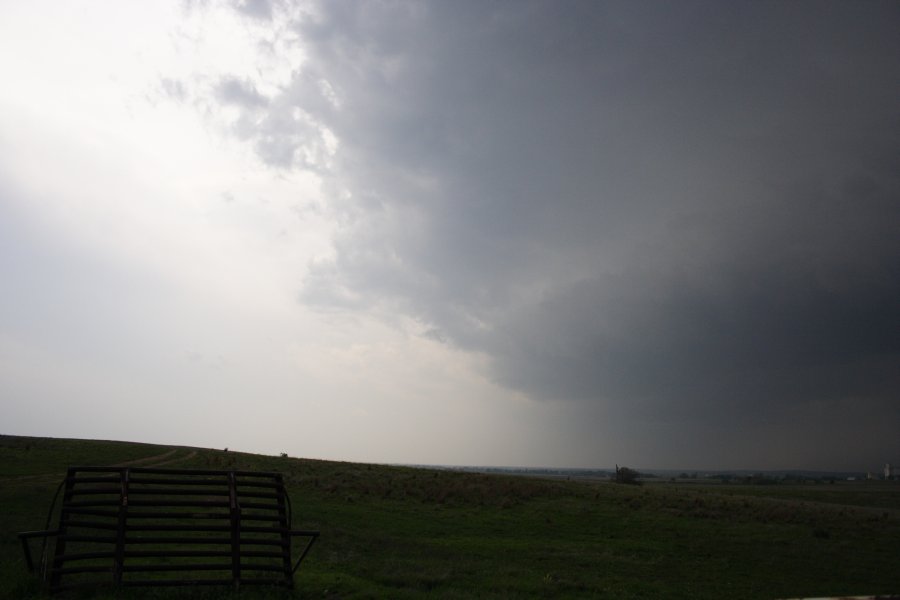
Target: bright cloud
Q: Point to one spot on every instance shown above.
(519, 233)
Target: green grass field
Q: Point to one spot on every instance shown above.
(399, 532)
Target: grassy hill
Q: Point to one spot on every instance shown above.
(403, 533)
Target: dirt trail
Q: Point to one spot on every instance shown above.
(147, 459)
(187, 456)
(25, 478)
(157, 460)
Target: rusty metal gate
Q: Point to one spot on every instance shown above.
(163, 527)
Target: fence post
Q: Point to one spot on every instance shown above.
(235, 530)
(119, 561)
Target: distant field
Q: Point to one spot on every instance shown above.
(406, 533)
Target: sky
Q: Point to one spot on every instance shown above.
(567, 234)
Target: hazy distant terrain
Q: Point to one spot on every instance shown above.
(404, 532)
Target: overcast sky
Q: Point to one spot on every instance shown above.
(661, 234)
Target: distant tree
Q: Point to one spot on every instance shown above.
(626, 475)
(284, 455)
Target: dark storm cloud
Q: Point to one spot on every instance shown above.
(258, 9)
(683, 208)
(282, 132)
(240, 93)
(173, 89)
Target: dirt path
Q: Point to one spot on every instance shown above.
(187, 456)
(157, 460)
(147, 459)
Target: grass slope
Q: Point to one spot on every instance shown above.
(407, 533)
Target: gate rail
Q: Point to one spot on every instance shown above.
(131, 526)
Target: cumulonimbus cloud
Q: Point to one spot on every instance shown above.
(682, 208)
